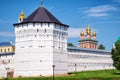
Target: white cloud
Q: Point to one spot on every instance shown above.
(75, 32)
(98, 14)
(7, 34)
(99, 11)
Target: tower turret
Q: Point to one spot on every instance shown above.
(21, 17)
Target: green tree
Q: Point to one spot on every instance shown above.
(116, 55)
(70, 44)
(101, 46)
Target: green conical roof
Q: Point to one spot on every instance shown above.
(118, 38)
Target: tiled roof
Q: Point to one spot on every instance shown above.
(86, 49)
(41, 15)
(87, 40)
(5, 44)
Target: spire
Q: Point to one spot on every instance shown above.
(41, 2)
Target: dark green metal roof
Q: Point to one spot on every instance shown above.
(118, 38)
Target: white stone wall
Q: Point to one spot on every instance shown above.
(88, 60)
(6, 61)
(35, 49)
(60, 49)
(3, 71)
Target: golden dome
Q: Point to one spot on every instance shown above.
(94, 33)
(82, 33)
(22, 15)
(88, 30)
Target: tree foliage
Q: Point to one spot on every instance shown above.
(101, 46)
(70, 44)
(116, 55)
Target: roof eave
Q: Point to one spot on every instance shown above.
(87, 40)
(40, 22)
(88, 49)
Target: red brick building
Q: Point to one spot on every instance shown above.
(88, 40)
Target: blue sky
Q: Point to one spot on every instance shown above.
(102, 15)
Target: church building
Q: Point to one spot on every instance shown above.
(88, 40)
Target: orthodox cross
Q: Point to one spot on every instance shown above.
(41, 1)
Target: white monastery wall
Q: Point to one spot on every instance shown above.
(35, 49)
(88, 60)
(6, 64)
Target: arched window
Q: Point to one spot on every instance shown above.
(9, 61)
(1, 50)
(8, 50)
(5, 50)
(37, 30)
(45, 30)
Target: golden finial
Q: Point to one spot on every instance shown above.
(88, 30)
(94, 33)
(82, 33)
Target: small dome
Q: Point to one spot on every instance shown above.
(94, 33)
(88, 30)
(82, 33)
(22, 15)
